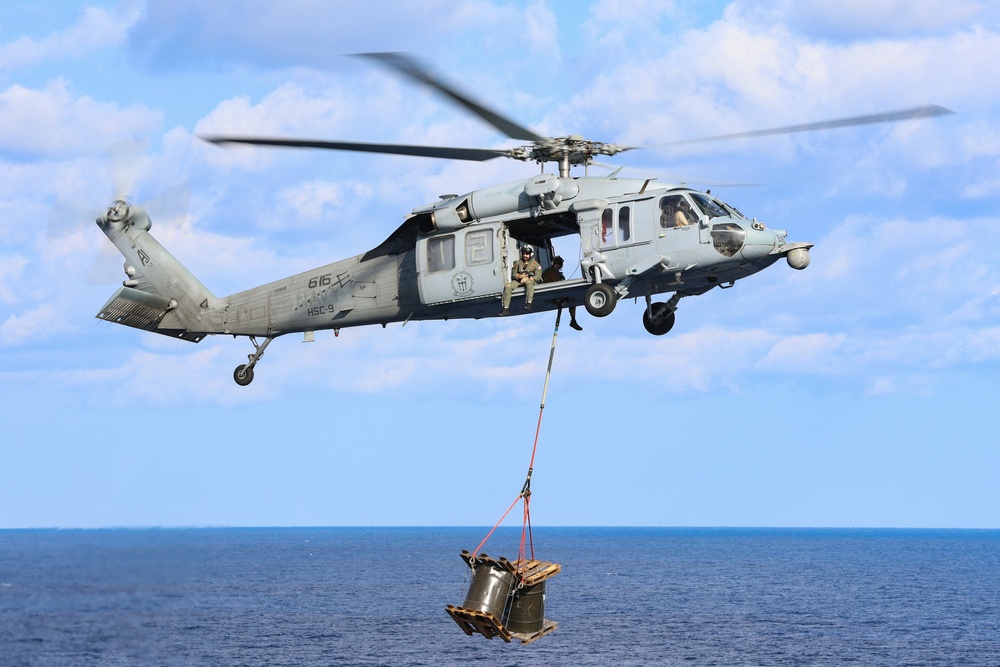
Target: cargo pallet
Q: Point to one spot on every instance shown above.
(485, 621)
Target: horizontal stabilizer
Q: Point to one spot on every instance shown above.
(142, 310)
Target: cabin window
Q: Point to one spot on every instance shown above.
(441, 253)
(624, 223)
(607, 224)
(479, 247)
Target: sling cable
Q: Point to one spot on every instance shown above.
(507, 599)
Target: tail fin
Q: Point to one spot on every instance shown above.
(160, 294)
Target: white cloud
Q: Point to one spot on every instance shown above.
(743, 73)
(625, 24)
(881, 386)
(54, 121)
(34, 325)
(318, 202)
(97, 29)
(289, 109)
(972, 347)
(541, 30)
(863, 18)
(807, 354)
(10, 272)
(224, 263)
(172, 373)
(988, 187)
(186, 33)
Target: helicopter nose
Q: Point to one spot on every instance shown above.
(761, 241)
(764, 246)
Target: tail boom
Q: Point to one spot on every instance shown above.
(160, 294)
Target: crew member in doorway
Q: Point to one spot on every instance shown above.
(553, 274)
(526, 271)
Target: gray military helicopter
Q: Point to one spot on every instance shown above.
(452, 258)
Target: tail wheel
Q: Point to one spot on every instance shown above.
(243, 375)
(600, 300)
(662, 320)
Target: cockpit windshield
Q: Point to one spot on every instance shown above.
(709, 206)
(733, 211)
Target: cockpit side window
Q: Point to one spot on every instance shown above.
(676, 211)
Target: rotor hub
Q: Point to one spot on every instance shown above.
(119, 211)
(573, 149)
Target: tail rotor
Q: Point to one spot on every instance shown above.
(71, 224)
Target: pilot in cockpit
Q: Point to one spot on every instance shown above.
(676, 212)
(684, 216)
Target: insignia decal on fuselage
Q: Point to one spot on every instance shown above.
(462, 284)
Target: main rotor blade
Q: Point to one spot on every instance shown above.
(408, 67)
(471, 154)
(888, 117)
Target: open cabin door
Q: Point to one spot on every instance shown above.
(461, 265)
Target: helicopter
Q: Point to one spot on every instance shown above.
(453, 258)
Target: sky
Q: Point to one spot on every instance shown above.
(856, 393)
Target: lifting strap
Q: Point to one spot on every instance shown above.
(527, 544)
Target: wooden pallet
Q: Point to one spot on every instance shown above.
(472, 621)
(483, 622)
(530, 572)
(534, 572)
(548, 627)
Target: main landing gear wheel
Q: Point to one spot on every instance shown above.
(243, 375)
(600, 300)
(244, 372)
(662, 319)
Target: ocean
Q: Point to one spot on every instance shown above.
(377, 596)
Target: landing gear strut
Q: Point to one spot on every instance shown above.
(658, 318)
(244, 372)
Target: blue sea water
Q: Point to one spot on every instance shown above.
(377, 596)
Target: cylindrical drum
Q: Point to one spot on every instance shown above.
(527, 610)
(489, 590)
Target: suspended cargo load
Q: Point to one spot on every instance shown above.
(506, 599)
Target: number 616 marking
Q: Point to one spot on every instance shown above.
(320, 281)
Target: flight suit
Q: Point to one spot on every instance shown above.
(524, 273)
